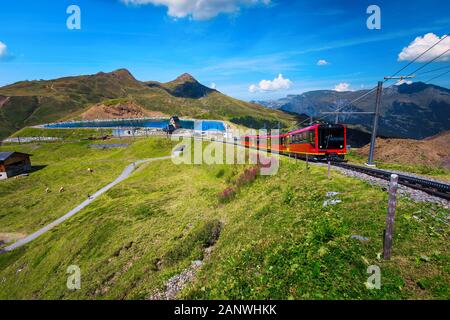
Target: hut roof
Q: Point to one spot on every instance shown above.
(7, 154)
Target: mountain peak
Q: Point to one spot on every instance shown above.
(122, 74)
(186, 77)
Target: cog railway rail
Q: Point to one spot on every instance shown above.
(431, 187)
(438, 189)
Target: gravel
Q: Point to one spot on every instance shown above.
(174, 285)
(413, 194)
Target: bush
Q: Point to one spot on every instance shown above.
(226, 194)
(248, 176)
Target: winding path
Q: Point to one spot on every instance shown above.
(125, 174)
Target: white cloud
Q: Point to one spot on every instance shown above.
(343, 86)
(400, 82)
(276, 84)
(2, 49)
(322, 62)
(421, 44)
(213, 86)
(198, 9)
(253, 88)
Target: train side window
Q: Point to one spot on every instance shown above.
(312, 139)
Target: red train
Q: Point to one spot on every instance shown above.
(318, 142)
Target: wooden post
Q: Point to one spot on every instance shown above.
(329, 169)
(18, 139)
(388, 233)
(307, 167)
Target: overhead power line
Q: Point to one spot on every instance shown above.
(420, 55)
(441, 75)
(397, 72)
(432, 60)
(393, 75)
(434, 70)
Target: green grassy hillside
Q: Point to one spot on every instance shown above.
(272, 240)
(35, 102)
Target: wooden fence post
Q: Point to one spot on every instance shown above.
(388, 233)
(307, 167)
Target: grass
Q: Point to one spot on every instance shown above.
(432, 172)
(27, 206)
(64, 134)
(275, 240)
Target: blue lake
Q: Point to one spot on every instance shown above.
(201, 125)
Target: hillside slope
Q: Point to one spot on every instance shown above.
(433, 151)
(274, 239)
(413, 111)
(118, 109)
(35, 102)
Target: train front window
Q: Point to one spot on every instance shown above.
(331, 137)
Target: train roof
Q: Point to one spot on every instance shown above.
(315, 126)
(295, 131)
(267, 136)
(304, 129)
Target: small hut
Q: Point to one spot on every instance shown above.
(13, 164)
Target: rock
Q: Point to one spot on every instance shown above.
(331, 194)
(331, 202)
(360, 238)
(197, 264)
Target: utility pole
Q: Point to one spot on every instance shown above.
(375, 123)
(339, 107)
(377, 115)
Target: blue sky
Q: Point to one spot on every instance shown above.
(232, 43)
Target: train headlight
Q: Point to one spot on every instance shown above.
(341, 147)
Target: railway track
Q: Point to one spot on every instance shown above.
(437, 189)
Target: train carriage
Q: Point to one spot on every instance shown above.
(318, 142)
(321, 141)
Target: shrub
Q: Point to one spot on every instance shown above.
(226, 194)
(248, 176)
